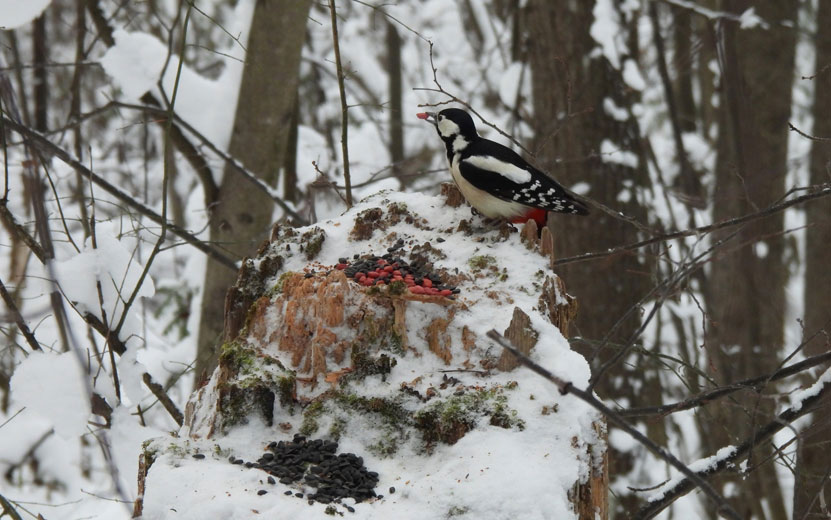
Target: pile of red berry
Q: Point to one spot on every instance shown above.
(387, 269)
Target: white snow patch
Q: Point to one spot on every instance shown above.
(606, 30)
(112, 264)
(632, 75)
(761, 249)
(798, 397)
(581, 188)
(617, 113)
(612, 154)
(135, 62)
(510, 82)
(52, 386)
(16, 13)
(749, 19)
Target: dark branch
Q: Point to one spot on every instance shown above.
(711, 395)
(808, 136)
(8, 509)
(161, 395)
(20, 232)
(18, 318)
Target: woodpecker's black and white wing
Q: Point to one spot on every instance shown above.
(501, 172)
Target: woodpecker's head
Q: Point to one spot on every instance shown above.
(454, 125)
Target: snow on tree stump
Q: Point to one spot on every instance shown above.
(386, 399)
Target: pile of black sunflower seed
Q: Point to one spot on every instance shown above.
(317, 464)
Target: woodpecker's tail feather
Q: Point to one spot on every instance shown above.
(580, 207)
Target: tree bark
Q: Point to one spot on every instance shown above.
(242, 216)
(745, 292)
(41, 76)
(813, 456)
(569, 85)
(396, 107)
(682, 65)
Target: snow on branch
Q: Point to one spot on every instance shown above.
(674, 490)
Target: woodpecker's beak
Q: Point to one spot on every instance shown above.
(430, 117)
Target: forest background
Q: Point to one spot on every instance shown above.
(148, 146)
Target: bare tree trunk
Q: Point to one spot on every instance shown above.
(569, 89)
(395, 107)
(290, 189)
(706, 77)
(745, 291)
(41, 83)
(814, 456)
(683, 68)
(243, 215)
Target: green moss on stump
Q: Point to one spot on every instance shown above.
(449, 419)
(252, 384)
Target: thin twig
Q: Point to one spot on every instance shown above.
(454, 99)
(185, 147)
(5, 198)
(20, 232)
(101, 304)
(344, 118)
(192, 4)
(394, 19)
(688, 178)
(566, 387)
(807, 136)
(28, 454)
(716, 393)
(820, 71)
(817, 191)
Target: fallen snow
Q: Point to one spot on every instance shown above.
(15, 13)
(52, 387)
(135, 62)
(114, 265)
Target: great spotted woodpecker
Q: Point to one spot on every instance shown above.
(494, 179)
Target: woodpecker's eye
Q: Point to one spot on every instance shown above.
(441, 117)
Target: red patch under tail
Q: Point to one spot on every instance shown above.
(536, 214)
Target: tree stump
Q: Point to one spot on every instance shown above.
(401, 371)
